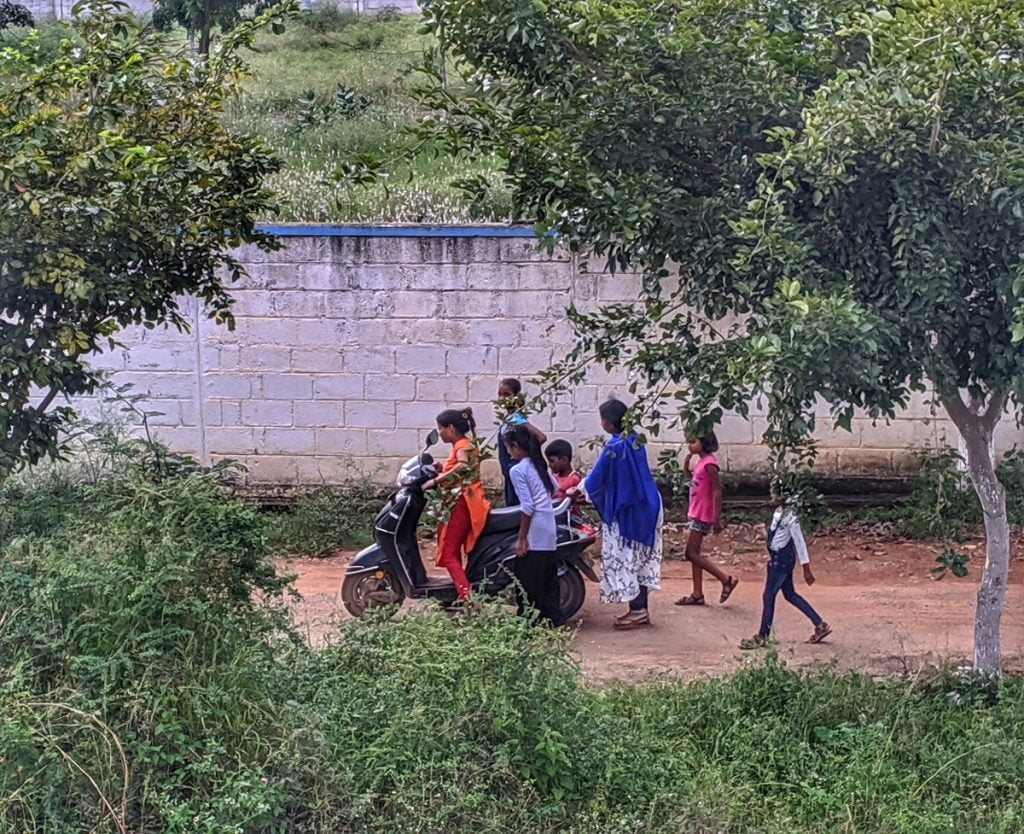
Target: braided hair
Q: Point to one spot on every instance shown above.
(522, 437)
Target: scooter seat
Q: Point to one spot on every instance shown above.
(502, 520)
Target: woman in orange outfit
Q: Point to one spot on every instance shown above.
(460, 478)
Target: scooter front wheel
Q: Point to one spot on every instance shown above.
(373, 589)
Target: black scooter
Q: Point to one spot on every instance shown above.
(391, 570)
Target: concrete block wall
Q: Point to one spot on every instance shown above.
(349, 342)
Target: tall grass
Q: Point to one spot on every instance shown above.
(375, 58)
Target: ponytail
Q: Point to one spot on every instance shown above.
(522, 437)
(459, 418)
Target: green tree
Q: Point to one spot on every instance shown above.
(123, 193)
(198, 17)
(825, 202)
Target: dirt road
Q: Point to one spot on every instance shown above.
(889, 614)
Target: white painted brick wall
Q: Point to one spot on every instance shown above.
(347, 347)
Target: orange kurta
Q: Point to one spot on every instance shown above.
(473, 493)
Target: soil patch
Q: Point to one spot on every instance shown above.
(890, 615)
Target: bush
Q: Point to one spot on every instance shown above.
(389, 14)
(14, 15)
(345, 104)
(942, 500)
(441, 723)
(327, 17)
(325, 521)
(1011, 474)
(142, 628)
(943, 503)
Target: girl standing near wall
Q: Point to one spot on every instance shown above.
(460, 477)
(511, 402)
(536, 568)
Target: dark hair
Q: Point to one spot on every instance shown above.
(514, 385)
(613, 411)
(461, 419)
(709, 443)
(559, 449)
(522, 437)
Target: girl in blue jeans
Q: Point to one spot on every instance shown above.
(785, 546)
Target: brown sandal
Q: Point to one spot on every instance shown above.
(821, 631)
(638, 619)
(727, 588)
(691, 599)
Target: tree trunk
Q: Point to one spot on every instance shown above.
(977, 424)
(205, 39)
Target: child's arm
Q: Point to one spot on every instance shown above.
(537, 433)
(801, 549)
(524, 531)
(462, 456)
(578, 497)
(526, 510)
(716, 489)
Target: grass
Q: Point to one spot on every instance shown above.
(373, 59)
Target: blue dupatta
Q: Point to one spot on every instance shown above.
(622, 489)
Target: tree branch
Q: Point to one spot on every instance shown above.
(47, 401)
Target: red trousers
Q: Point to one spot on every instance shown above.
(450, 558)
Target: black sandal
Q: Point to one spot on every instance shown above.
(691, 599)
(727, 588)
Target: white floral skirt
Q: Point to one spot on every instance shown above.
(625, 565)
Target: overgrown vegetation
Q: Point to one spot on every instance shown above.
(326, 520)
(943, 505)
(151, 680)
(338, 87)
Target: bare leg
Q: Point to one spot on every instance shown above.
(700, 563)
(693, 546)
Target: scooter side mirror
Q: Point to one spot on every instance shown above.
(432, 438)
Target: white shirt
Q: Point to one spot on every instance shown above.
(787, 529)
(535, 501)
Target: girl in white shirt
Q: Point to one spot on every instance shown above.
(535, 567)
(785, 545)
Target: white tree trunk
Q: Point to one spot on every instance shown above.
(976, 428)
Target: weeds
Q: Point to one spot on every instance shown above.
(338, 86)
(325, 521)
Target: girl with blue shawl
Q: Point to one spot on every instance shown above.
(623, 491)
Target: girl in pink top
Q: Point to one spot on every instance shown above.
(705, 517)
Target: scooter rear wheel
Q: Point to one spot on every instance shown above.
(375, 589)
(572, 591)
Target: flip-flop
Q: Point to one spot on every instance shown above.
(690, 599)
(727, 588)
